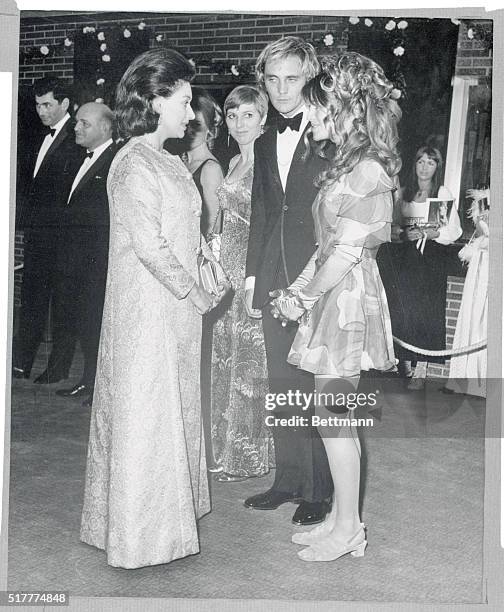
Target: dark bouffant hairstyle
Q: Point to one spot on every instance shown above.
(158, 72)
(204, 103)
(60, 90)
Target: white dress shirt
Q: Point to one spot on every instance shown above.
(287, 142)
(47, 142)
(87, 163)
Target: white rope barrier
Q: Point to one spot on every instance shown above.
(478, 346)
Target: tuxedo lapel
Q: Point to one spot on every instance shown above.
(93, 170)
(271, 154)
(63, 133)
(297, 159)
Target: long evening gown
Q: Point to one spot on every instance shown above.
(241, 441)
(468, 371)
(146, 482)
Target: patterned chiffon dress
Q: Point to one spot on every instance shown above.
(241, 441)
(348, 329)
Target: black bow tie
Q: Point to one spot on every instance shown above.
(89, 154)
(49, 130)
(293, 123)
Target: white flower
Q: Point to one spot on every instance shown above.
(390, 25)
(328, 40)
(159, 37)
(88, 29)
(101, 36)
(234, 70)
(368, 22)
(105, 58)
(67, 42)
(470, 33)
(402, 25)
(192, 62)
(395, 94)
(141, 25)
(354, 20)
(85, 30)
(100, 81)
(399, 50)
(103, 47)
(126, 33)
(99, 100)
(455, 21)
(44, 50)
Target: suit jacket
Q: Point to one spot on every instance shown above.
(84, 232)
(280, 221)
(48, 191)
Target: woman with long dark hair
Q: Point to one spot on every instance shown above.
(415, 272)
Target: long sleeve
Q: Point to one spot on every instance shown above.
(137, 200)
(450, 232)
(357, 217)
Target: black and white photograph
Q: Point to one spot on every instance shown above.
(255, 299)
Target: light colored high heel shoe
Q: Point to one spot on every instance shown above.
(316, 534)
(330, 550)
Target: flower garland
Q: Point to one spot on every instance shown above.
(396, 31)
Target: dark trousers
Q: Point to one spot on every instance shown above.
(301, 461)
(83, 287)
(40, 286)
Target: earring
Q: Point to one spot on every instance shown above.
(262, 129)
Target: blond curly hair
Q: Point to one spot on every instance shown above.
(362, 114)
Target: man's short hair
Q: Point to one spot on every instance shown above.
(284, 47)
(60, 90)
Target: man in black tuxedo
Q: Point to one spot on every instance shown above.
(281, 242)
(83, 240)
(51, 164)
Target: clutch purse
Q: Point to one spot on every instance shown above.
(207, 271)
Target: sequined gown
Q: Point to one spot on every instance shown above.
(241, 441)
(146, 482)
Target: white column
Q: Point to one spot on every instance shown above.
(456, 133)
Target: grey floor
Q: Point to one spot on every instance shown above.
(422, 504)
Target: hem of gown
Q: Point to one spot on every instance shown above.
(162, 561)
(308, 367)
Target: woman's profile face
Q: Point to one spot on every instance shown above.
(244, 123)
(320, 128)
(425, 167)
(175, 112)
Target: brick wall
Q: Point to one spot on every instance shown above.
(453, 299)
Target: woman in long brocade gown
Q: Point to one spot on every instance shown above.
(241, 441)
(146, 482)
(338, 299)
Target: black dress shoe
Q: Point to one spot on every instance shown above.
(78, 391)
(48, 378)
(310, 513)
(88, 402)
(270, 500)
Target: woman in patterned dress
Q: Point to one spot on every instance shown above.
(146, 481)
(338, 299)
(240, 438)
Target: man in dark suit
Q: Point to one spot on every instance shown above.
(281, 242)
(83, 240)
(50, 166)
